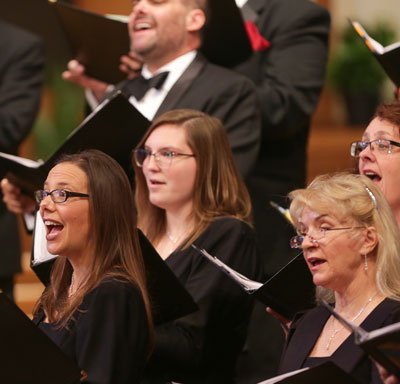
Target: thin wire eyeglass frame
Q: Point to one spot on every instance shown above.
(163, 158)
(296, 242)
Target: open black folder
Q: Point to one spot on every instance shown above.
(383, 344)
(170, 300)
(27, 355)
(225, 40)
(326, 373)
(287, 292)
(114, 127)
(388, 57)
(96, 41)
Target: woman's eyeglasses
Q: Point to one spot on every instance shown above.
(297, 241)
(163, 158)
(380, 145)
(57, 195)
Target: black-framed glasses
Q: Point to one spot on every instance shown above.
(381, 145)
(163, 158)
(297, 241)
(57, 195)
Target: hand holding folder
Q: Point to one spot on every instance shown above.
(87, 33)
(114, 127)
(287, 292)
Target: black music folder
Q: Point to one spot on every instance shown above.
(326, 373)
(225, 39)
(382, 344)
(27, 355)
(388, 57)
(288, 291)
(170, 300)
(96, 41)
(114, 127)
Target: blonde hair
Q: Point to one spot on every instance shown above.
(356, 197)
(218, 190)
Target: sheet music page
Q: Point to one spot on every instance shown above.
(22, 160)
(247, 284)
(40, 252)
(277, 379)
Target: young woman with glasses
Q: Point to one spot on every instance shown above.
(351, 243)
(96, 307)
(189, 191)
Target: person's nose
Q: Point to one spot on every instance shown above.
(309, 242)
(46, 204)
(138, 6)
(367, 153)
(151, 163)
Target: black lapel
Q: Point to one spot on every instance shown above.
(253, 7)
(181, 86)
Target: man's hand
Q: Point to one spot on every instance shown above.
(76, 74)
(385, 376)
(285, 323)
(15, 201)
(131, 64)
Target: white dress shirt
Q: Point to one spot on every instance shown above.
(240, 3)
(153, 98)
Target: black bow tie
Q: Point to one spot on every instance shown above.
(139, 85)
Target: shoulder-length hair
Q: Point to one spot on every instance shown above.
(218, 190)
(117, 252)
(356, 197)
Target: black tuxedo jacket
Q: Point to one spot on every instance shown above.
(221, 93)
(289, 76)
(21, 75)
(348, 356)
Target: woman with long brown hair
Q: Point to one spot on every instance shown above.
(96, 307)
(189, 191)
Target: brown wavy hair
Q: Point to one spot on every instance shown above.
(117, 252)
(219, 189)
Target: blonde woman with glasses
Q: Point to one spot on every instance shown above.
(351, 244)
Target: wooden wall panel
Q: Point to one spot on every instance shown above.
(122, 7)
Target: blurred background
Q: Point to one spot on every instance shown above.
(355, 84)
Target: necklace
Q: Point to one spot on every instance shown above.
(336, 331)
(71, 290)
(173, 240)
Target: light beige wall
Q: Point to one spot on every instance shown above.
(366, 12)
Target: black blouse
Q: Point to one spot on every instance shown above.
(108, 336)
(351, 358)
(203, 347)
